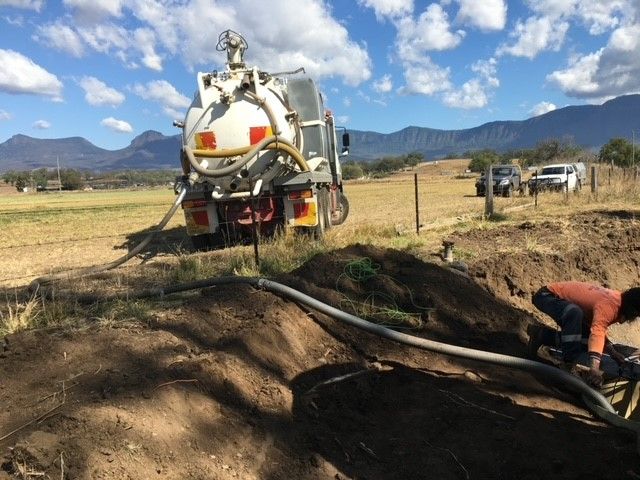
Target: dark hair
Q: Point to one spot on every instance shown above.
(630, 307)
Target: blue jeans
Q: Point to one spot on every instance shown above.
(569, 317)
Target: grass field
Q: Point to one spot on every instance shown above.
(58, 231)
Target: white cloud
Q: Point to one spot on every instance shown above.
(41, 125)
(429, 32)
(603, 15)
(165, 94)
(487, 15)
(578, 79)
(625, 39)
(97, 93)
(95, 10)
(105, 37)
(383, 85)
(4, 115)
(487, 71)
(145, 42)
(17, 21)
(389, 8)
(61, 37)
(553, 8)
(346, 101)
(472, 94)
(20, 75)
(542, 108)
(119, 126)
(26, 4)
(609, 72)
(173, 113)
(426, 78)
(535, 35)
(322, 47)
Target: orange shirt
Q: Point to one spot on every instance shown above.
(600, 305)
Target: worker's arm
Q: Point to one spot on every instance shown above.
(597, 341)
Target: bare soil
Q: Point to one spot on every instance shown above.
(233, 382)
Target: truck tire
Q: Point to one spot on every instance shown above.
(202, 243)
(209, 241)
(342, 212)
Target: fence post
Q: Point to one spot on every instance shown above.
(254, 228)
(594, 181)
(488, 192)
(415, 182)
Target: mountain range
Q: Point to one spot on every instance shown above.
(589, 126)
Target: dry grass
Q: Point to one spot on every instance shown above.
(19, 315)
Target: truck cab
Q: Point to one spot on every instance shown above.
(505, 178)
(558, 177)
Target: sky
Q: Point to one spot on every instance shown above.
(108, 70)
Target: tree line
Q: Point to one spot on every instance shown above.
(617, 151)
(72, 179)
(382, 167)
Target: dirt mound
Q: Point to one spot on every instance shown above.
(234, 382)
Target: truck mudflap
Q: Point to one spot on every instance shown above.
(200, 216)
(301, 208)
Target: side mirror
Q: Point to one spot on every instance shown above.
(345, 144)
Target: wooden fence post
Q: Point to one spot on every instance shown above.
(415, 182)
(594, 181)
(488, 192)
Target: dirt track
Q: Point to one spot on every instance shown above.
(229, 383)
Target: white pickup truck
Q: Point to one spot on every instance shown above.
(556, 178)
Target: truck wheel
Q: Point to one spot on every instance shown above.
(343, 212)
(209, 241)
(202, 243)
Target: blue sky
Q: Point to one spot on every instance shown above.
(108, 70)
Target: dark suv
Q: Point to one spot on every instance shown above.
(506, 180)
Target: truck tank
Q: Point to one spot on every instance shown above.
(258, 148)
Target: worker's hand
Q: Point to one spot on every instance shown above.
(594, 377)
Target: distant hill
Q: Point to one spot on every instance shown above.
(150, 150)
(589, 126)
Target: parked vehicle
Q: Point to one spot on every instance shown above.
(260, 153)
(506, 180)
(558, 177)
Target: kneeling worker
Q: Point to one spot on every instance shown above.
(583, 311)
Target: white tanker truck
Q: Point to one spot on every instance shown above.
(259, 151)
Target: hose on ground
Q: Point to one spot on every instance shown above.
(47, 279)
(594, 399)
